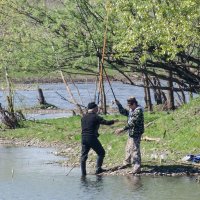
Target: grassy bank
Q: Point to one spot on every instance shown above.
(178, 133)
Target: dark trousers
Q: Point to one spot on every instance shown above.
(91, 142)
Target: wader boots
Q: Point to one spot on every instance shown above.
(83, 168)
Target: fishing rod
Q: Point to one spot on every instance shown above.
(109, 83)
(102, 68)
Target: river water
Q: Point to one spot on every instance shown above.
(28, 97)
(27, 173)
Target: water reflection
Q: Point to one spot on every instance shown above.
(96, 183)
(133, 183)
(91, 187)
(113, 187)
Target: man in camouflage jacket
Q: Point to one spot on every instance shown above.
(135, 128)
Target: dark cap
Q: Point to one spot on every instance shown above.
(132, 100)
(92, 105)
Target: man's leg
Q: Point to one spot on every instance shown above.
(98, 148)
(136, 154)
(128, 151)
(84, 155)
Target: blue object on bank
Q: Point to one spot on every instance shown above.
(192, 158)
(196, 158)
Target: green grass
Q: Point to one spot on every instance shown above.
(47, 130)
(179, 133)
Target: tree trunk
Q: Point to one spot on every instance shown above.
(171, 105)
(183, 95)
(190, 93)
(145, 92)
(10, 95)
(158, 94)
(149, 103)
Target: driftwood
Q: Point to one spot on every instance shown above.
(146, 138)
(42, 102)
(71, 94)
(149, 124)
(41, 98)
(10, 119)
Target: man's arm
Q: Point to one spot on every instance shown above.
(105, 122)
(122, 110)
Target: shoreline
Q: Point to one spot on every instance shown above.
(77, 79)
(147, 169)
(33, 85)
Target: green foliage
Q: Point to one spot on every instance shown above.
(44, 38)
(168, 26)
(64, 35)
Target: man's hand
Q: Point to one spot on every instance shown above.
(117, 102)
(118, 131)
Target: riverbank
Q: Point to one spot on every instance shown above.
(172, 136)
(71, 151)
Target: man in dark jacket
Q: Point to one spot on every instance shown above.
(135, 128)
(90, 124)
